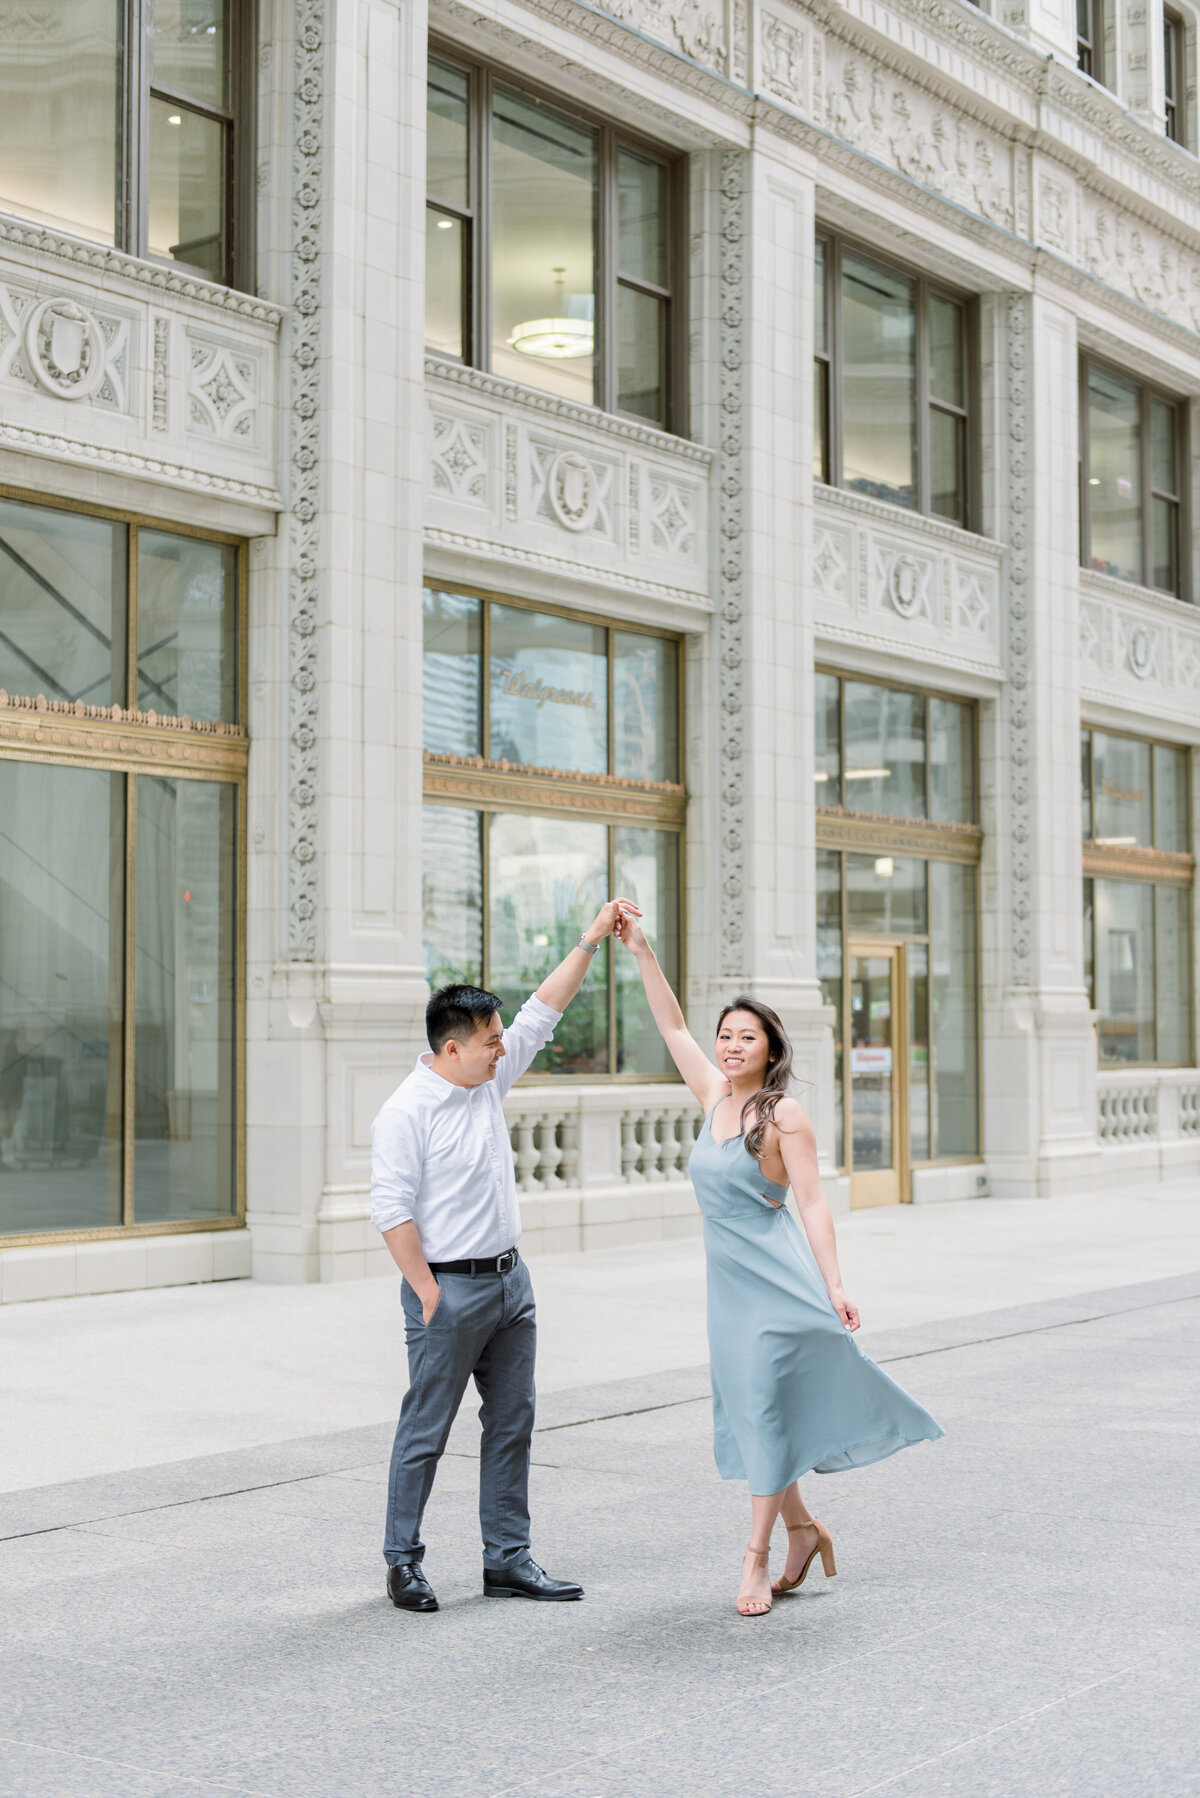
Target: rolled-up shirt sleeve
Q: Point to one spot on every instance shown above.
(397, 1157)
(529, 1031)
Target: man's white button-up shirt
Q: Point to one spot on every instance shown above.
(440, 1154)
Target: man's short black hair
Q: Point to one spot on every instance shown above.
(458, 1012)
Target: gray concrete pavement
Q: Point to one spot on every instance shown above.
(94, 1385)
(1017, 1610)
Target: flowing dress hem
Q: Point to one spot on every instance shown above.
(844, 1460)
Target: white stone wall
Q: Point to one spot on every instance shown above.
(307, 417)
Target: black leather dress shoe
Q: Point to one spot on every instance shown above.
(408, 1588)
(527, 1580)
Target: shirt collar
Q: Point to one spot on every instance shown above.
(437, 1086)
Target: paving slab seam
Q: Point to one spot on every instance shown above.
(1010, 1723)
(1067, 1323)
(104, 1760)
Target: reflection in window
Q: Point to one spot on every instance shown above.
(917, 963)
(885, 750)
(646, 870)
(548, 691)
(878, 382)
(1123, 970)
(886, 893)
(62, 859)
(60, 117)
(184, 1000)
(951, 761)
(62, 604)
(643, 285)
(452, 896)
(543, 225)
(829, 973)
(1174, 83)
(548, 877)
(1131, 487)
(187, 619)
(954, 955)
(827, 708)
(645, 707)
(1135, 793)
(452, 684)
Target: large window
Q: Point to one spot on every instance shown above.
(1089, 37)
(551, 781)
(898, 848)
(1131, 481)
(1174, 78)
(891, 376)
(119, 974)
(120, 123)
(550, 254)
(1137, 897)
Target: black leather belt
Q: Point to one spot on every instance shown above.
(488, 1264)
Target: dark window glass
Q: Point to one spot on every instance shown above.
(447, 140)
(918, 1052)
(447, 226)
(1174, 41)
(829, 973)
(1085, 777)
(62, 870)
(1130, 499)
(1088, 27)
(445, 308)
(62, 604)
(184, 1001)
(821, 362)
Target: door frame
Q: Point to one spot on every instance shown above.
(896, 948)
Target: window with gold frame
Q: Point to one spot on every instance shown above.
(122, 797)
(552, 780)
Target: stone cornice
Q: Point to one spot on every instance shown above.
(159, 280)
(549, 405)
(492, 550)
(131, 462)
(896, 518)
(1126, 593)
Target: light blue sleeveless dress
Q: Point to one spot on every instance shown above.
(792, 1391)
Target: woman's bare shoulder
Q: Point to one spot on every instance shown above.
(791, 1116)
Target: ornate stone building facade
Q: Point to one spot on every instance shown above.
(451, 463)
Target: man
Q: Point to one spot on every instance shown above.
(444, 1197)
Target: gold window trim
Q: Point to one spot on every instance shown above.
(872, 831)
(503, 786)
(1124, 861)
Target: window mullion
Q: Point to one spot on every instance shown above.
(128, 1089)
(1147, 562)
(604, 378)
(924, 396)
(833, 326)
(137, 126)
(1085, 470)
(479, 252)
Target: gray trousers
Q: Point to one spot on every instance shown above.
(484, 1326)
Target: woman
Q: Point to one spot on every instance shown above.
(792, 1391)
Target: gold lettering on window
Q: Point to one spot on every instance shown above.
(518, 686)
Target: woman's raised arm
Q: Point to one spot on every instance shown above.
(706, 1082)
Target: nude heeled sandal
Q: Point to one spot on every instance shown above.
(765, 1602)
(824, 1548)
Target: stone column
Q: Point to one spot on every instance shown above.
(335, 979)
(1039, 1059)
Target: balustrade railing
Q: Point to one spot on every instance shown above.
(1150, 1109)
(615, 1136)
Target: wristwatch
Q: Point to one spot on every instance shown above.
(584, 944)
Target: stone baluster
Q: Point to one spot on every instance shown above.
(525, 1152)
(629, 1145)
(569, 1165)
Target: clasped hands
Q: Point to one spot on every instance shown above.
(615, 918)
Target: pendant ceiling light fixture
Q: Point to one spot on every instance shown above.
(558, 339)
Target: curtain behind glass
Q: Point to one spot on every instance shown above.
(547, 879)
(879, 382)
(543, 200)
(953, 942)
(647, 871)
(62, 604)
(60, 115)
(187, 626)
(184, 1011)
(62, 856)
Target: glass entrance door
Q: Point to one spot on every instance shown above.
(877, 1069)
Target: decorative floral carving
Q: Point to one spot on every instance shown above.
(510, 473)
(571, 490)
(160, 383)
(222, 390)
(694, 26)
(903, 581)
(972, 601)
(831, 565)
(304, 588)
(672, 518)
(731, 562)
(1054, 217)
(458, 464)
(1091, 634)
(1132, 257)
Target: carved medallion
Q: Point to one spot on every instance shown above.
(65, 347)
(574, 494)
(1141, 651)
(904, 586)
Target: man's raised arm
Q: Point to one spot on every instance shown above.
(533, 1025)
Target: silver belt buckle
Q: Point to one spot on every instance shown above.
(506, 1262)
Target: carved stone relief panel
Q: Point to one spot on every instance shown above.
(1056, 207)
(571, 489)
(53, 343)
(1138, 651)
(712, 32)
(784, 59)
(1135, 259)
(459, 458)
(914, 131)
(223, 384)
(673, 515)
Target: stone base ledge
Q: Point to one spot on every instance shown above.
(61, 1270)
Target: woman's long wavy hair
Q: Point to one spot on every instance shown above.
(779, 1071)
